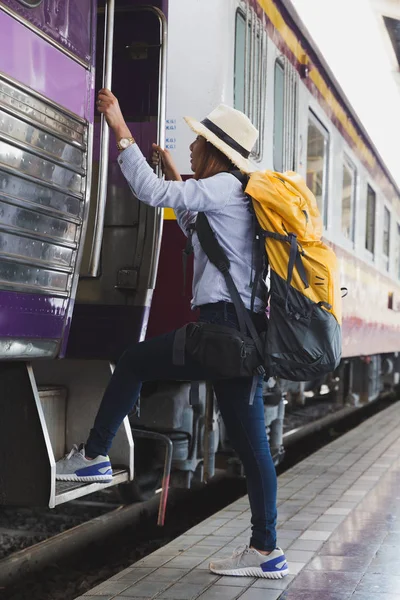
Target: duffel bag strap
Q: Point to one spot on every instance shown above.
(217, 256)
(188, 250)
(178, 350)
(241, 309)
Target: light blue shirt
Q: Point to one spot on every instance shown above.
(222, 199)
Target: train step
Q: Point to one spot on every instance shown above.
(50, 406)
(53, 399)
(71, 490)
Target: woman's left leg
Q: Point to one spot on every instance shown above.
(245, 425)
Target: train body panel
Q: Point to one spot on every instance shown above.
(45, 153)
(209, 79)
(40, 70)
(371, 320)
(69, 24)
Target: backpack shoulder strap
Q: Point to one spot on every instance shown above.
(259, 239)
(243, 178)
(210, 244)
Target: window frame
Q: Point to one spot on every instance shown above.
(349, 164)
(254, 88)
(312, 117)
(279, 167)
(373, 251)
(30, 3)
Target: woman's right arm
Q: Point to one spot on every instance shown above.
(183, 196)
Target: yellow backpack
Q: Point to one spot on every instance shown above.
(303, 340)
(304, 333)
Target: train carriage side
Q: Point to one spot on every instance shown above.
(64, 295)
(264, 62)
(253, 54)
(360, 204)
(46, 126)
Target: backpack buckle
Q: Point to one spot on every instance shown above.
(259, 370)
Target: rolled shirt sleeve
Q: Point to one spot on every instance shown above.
(185, 218)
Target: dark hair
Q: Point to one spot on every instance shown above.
(212, 161)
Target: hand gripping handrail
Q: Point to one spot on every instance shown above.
(94, 262)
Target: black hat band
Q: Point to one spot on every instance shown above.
(224, 137)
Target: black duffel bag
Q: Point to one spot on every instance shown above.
(225, 352)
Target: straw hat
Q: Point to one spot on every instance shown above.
(230, 131)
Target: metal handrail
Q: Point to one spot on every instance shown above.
(162, 102)
(94, 262)
(246, 54)
(155, 435)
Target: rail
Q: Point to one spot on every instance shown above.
(94, 262)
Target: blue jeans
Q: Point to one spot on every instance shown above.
(152, 360)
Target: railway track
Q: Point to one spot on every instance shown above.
(38, 541)
(23, 527)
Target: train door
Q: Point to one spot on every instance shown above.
(123, 237)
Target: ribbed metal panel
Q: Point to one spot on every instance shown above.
(43, 161)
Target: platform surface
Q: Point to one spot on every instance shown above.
(339, 524)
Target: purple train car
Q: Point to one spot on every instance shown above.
(63, 252)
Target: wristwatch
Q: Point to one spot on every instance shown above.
(124, 143)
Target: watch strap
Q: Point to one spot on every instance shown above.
(130, 139)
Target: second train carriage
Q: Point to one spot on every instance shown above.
(79, 254)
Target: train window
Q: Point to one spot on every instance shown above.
(317, 163)
(240, 62)
(348, 199)
(370, 224)
(250, 71)
(285, 116)
(279, 103)
(386, 232)
(30, 3)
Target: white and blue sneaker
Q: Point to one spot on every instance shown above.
(247, 562)
(76, 467)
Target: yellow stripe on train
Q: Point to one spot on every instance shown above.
(169, 214)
